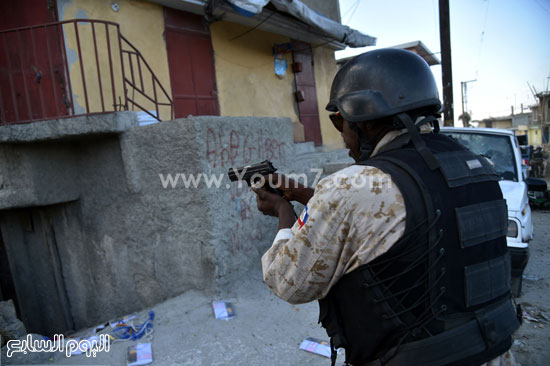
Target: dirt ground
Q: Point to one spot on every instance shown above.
(267, 331)
(532, 340)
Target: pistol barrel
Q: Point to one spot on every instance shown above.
(247, 172)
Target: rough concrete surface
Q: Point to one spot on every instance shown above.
(39, 174)
(68, 128)
(10, 326)
(238, 234)
(268, 331)
(38, 161)
(125, 239)
(531, 340)
(117, 236)
(265, 331)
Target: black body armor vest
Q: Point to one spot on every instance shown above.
(441, 294)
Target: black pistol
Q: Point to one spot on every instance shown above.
(252, 174)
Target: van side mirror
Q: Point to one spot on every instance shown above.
(535, 184)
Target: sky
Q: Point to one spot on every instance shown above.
(502, 44)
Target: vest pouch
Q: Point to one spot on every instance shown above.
(482, 222)
(464, 167)
(497, 323)
(487, 281)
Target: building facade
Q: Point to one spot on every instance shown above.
(92, 224)
(171, 59)
(496, 122)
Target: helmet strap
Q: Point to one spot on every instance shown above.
(418, 143)
(367, 145)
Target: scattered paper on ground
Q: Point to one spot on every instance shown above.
(317, 346)
(223, 310)
(140, 354)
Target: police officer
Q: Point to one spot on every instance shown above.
(538, 162)
(411, 267)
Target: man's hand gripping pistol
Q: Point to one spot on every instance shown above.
(255, 173)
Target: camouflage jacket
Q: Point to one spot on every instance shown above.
(354, 216)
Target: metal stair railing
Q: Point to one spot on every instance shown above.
(41, 79)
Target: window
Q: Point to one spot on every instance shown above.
(497, 148)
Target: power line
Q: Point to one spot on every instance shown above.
(543, 8)
(251, 29)
(349, 9)
(434, 8)
(481, 39)
(354, 10)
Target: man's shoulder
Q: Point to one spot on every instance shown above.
(356, 170)
(362, 179)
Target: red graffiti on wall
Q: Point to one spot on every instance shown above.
(245, 238)
(224, 150)
(248, 230)
(243, 201)
(237, 148)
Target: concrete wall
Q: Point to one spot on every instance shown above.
(239, 232)
(125, 242)
(245, 75)
(497, 123)
(503, 124)
(523, 119)
(325, 69)
(28, 179)
(248, 86)
(141, 22)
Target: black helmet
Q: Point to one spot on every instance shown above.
(383, 83)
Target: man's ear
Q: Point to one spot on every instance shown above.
(366, 128)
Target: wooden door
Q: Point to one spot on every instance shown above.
(191, 63)
(32, 76)
(36, 270)
(7, 288)
(305, 86)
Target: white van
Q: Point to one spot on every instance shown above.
(502, 149)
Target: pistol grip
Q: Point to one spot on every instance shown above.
(274, 190)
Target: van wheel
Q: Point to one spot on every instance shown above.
(516, 285)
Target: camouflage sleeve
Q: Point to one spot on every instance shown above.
(343, 226)
(299, 267)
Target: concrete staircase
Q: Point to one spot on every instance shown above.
(310, 157)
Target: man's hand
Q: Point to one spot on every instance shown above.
(268, 203)
(291, 189)
(274, 205)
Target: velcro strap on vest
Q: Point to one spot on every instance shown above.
(481, 222)
(487, 280)
(464, 167)
(467, 340)
(419, 144)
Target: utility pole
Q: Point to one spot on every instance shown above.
(446, 66)
(464, 91)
